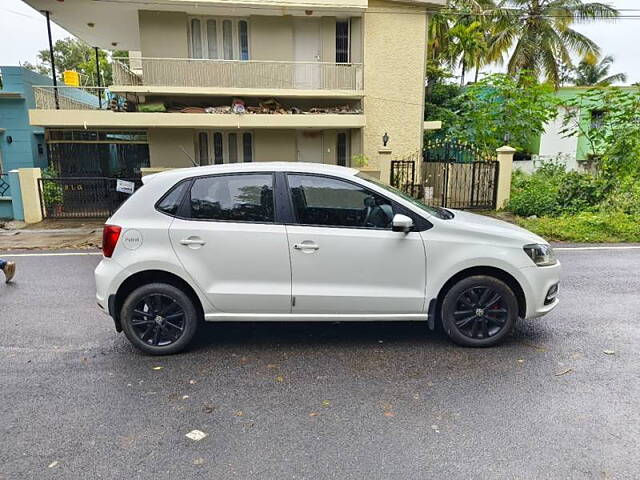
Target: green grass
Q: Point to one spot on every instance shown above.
(585, 227)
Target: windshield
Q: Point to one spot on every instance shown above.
(435, 211)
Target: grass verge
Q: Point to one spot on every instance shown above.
(585, 227)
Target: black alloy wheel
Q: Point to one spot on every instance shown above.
(159, 318)
(479, 311)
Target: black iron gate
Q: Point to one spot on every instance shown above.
(87, 197)
(452, 175)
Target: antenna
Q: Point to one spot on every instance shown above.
(188, 156)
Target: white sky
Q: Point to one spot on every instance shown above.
(23, 33)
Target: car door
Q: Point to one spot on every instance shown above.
(229, 243)
(345, 259)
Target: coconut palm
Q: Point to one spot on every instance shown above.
(591, 72)
(541, 34)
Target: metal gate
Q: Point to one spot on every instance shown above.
(465, 186)
(451, 175)
(78, 197)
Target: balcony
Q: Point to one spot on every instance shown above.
(94, 107)
(71, 98)
(237, 75)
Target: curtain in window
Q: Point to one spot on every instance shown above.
(217, 148)
(233, 148)
(203, 148)
(196, 38)
(212, 39)
(243, 39)
(227, 39)
(247, 147)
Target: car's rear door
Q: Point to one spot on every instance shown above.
(228, 241)
(345, 258)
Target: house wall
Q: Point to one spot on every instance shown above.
(394, 69)
(163, 34)
(164, 147)
(14, 119)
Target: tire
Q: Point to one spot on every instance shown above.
(159, 319)
(479, 311)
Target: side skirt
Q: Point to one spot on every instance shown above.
(309, 317)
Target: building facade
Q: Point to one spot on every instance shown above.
(21, 145)
(218, 81)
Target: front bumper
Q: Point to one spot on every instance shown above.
(539, 283)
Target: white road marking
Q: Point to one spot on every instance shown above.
(65, 254)
(627, 247)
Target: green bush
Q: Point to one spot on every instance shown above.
(551, 191)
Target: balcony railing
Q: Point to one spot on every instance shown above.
(189, 72)
(71, 98)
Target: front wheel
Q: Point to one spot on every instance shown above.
(159, 319)
(479, 311)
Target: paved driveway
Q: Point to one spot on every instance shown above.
(318, 401)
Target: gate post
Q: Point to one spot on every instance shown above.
(505, 167)
(30, 192)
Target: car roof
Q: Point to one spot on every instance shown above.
(255, 167)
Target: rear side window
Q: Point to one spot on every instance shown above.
(172, 200)
(235, 198)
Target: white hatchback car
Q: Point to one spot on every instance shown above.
(290, 241)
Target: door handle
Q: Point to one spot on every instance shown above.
(306, 246)
(192, 241)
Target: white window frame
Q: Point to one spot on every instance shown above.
(235, 36)
(225, 145)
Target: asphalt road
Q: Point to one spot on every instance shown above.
(313, 401)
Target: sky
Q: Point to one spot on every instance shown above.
(23, 33)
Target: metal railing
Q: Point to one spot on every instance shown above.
(4, 185)
(71, 98)
(190, 72)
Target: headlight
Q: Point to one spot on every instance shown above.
(542, 255)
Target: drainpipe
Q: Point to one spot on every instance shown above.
(53, 63)
(98, 74)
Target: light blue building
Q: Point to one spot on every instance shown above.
(21, 145)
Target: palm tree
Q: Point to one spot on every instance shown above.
(467, 46)
(540, 33)
(590, 72)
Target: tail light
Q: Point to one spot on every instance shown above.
(110, 236)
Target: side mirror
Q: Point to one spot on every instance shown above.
(401, 223)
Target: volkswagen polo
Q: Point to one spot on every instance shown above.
(310, 242)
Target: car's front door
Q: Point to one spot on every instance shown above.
(231, 246)
(345, 258)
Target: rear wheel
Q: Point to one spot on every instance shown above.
(159, 319)
(479, 311)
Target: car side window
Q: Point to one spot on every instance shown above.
(332, 202)
(171, 201)
(236, 198)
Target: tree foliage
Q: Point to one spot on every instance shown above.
(615, 139)
(500, 109)
(73, 54)
(591, 72)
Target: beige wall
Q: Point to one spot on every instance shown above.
(271, 38)
(275, 145)
(164, 147)
(163, 34)
(394, 70)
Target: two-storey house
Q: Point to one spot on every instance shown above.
(218, 81)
